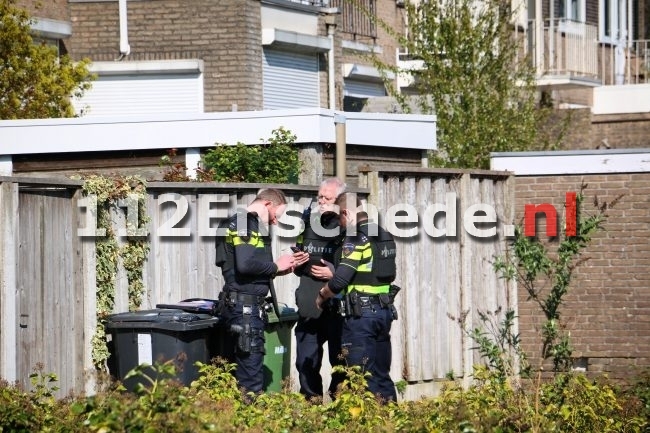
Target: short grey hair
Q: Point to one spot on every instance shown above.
(336, 182)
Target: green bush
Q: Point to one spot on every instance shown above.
(274, 162)
(213, 403)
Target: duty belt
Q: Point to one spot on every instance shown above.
(369, 300)
(246, 298)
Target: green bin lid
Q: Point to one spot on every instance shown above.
(287, 314)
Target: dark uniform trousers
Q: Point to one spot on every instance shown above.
(250, 366)
(367, 342)
(311, 334)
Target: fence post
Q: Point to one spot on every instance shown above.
(88, 279)
(8, 303)
(466, 257)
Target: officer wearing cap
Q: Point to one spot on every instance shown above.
(243, 252)
(364, 275)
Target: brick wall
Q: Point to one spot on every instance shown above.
(587, 131)
(391, 15)
(607, 309)
(225, 34)
(52, 9)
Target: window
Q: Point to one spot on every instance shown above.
(573, 10)
(572, 17)
(612, 20)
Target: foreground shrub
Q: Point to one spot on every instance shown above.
(213, 403)
(29, 411)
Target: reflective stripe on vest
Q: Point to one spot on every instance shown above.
(370, 290)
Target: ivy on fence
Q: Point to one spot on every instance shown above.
(109, 194)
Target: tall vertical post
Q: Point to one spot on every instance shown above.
(339, 122)
(8, 292)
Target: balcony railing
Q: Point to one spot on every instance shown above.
(626, 65)
(356, 19)
(317, 3)
(564, 48)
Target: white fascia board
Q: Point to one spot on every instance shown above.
(147, 67)
(360, 72)
(294, 40)
(158, 131)
(361, 47)
(403, 131)
(572, 162)
(165, 131)
(567, 81)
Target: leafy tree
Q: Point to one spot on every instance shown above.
(473, 78)
(34, 81)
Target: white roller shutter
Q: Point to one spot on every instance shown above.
(290, 80)
(363, 89)
(133, 88)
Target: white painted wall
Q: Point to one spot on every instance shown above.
(632, 98)
(291, 20)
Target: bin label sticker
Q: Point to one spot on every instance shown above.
(144, 349)
(279, 350)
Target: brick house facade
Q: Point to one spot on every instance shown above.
(607, 306)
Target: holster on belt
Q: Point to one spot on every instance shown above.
(246, 343)
(223, 301)
(352, 305)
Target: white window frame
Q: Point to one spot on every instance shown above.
(578, 15)
(617, 20)
(574, 18)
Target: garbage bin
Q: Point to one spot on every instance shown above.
(277, 359)
(159, 335)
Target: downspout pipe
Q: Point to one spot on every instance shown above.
(125, 48)
(330, 21)
(331, 78)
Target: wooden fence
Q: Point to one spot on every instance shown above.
(47, 292)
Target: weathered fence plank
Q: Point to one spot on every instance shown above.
(9, 318)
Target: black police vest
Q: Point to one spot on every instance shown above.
(384, 252)
(320, 247)
(225, 250)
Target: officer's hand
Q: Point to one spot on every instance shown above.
(323, 295)
(300, 258)
(324, 272)
(285, 264)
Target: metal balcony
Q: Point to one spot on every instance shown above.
(356, 19)
(567, 52)
(563, 52)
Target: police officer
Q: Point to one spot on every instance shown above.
(243, 253)
(364, 275)
(321, 238)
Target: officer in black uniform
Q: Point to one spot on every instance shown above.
(364, 275)
(243, 253)
(321, 239)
